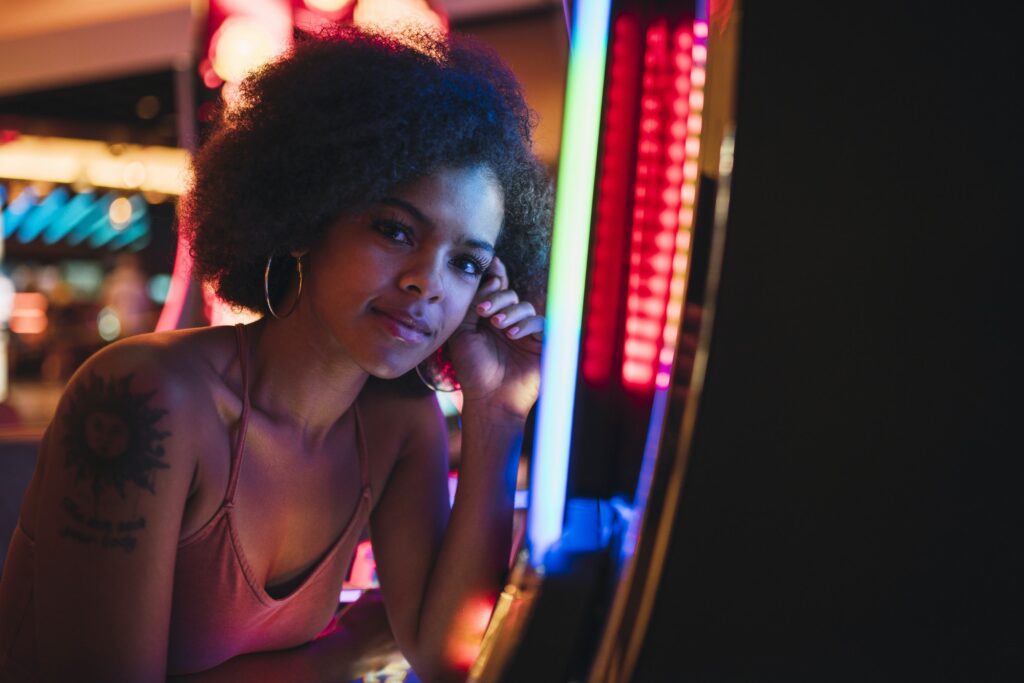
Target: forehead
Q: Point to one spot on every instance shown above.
(468, 201)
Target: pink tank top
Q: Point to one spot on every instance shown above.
(220, 607)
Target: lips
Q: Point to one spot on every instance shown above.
(403, 325)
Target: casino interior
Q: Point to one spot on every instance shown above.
(776, 427)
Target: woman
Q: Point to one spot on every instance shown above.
(199, 493)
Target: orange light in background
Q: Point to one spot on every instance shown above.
(242, 44)
(328, 5)
(395, 15)
(28, 315)
(120, 213)
(134, 174)
(67, 161)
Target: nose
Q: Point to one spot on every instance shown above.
(423, 278)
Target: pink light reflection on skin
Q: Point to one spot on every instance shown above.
(468, 632)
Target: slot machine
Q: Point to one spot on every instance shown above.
(645, 159)
(777, 411)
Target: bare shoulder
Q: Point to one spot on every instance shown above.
(130, 418)
(175, 368)
(187, 352)
(105, 508)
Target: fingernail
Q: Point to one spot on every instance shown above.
(484, 306)
(498, 318)
(512, 331)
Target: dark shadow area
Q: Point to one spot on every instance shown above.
(851, 509)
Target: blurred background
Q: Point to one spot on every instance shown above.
(101, 103)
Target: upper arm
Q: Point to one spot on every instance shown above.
(115, 469)
(410, 518)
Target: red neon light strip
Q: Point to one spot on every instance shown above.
(665, 194)
(613, 202)
(655, 211)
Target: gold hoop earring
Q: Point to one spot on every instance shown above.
(266, 288)
(437, 373)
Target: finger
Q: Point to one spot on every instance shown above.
(488, 285)
(510, 315)
(492, 283)
(495, 302)
(527, 327)
(497, 268)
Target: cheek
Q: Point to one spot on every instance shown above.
(343, 273)
(459, 303)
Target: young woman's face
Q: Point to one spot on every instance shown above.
(393, 282)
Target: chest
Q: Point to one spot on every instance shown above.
(290, 503)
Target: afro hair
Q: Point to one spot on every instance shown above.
(333, 126)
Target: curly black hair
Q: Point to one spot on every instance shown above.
(343, 118)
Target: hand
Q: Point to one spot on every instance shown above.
(496, 349)
(358, 640)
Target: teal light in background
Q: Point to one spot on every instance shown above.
(68, 217)
(75, 217)
(139, 244)
(158, 286)
(575, 193)
(139, 228)
(91, 220)
(137, 225)
(85, 277)
(18, 209)
(43, 215)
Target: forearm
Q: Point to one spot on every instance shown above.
(473, 557)
(261, 667)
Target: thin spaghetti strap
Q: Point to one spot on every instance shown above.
(364, 463)
(243, 421)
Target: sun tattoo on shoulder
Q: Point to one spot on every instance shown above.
(110, 435)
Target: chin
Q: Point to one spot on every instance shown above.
(388, 374)
(385, 369)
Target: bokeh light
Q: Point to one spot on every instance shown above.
(120, 213)
(327, 5)
(241, 45)
(108, 324)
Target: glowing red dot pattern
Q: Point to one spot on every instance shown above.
(667, 172)
(647, 190)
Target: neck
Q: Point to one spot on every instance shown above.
(300, 375)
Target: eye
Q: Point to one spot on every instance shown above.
(471, 265)
(394, 231)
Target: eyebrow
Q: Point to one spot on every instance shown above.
(412, 210)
